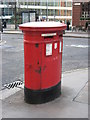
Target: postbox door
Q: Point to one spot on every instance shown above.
(52, 63)
(32, 66)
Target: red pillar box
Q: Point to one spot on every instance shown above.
(43, 45)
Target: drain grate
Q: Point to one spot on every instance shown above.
(14, 84)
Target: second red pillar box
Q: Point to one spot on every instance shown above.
(43, 45)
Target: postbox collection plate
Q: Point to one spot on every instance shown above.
(48, 49)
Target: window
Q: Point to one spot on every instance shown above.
(37, 3)
(32, 3)
(43, 3)
(43, 12)
(57, 12)
(69, 4)
(63, 12)
(26, 3)
(68, 12)
(50, 12)
(56, 3)
(63, 4)
(38, 11)
(21, 3)
(85, 10)
(50, 3)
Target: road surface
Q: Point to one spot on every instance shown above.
(75, 56)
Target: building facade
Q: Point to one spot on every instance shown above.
(80, 13)
(53, 10)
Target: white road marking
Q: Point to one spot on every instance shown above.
(78, 46)
(2, 42)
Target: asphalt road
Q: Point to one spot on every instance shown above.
(75, 56)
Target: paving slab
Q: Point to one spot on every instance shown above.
(73, 82)
(15, 107)
(83, 95)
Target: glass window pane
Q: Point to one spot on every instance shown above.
(50, 12)
(37, 3)
(63, 12)
(57, 13)
(69, 4)
(63, 4)
(43, 3)
(44, 12)
(50, 3)
(68, 12)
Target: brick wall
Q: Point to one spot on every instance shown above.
(76, 15)
(82, 22)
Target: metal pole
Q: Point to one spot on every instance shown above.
(54, 9)
(15, 17)
(1, 27)
(47, 10)
(1, 24)
(27, 4)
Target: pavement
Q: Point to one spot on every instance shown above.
(73, 102)
(76, 34)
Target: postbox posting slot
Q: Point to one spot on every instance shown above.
(48, 35)
(49, 46)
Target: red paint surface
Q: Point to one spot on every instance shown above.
(41, 71)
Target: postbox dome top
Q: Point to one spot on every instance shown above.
(42, 26)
